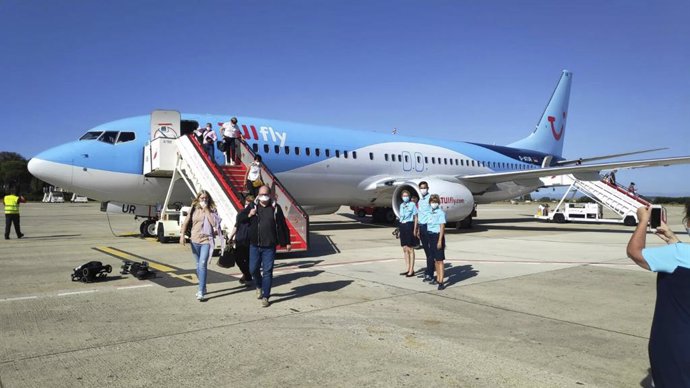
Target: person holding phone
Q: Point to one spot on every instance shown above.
(669, 340)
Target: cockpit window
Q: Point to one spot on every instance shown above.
(91, 135)
(108, 137)
(125, 137)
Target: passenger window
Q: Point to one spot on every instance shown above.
(91, 135)
(297, 151)
(407, 159)
(445, 161)
(306, 151)
(371, 156)
(419, 159)
(255, 147)
(276, 149)
(266, 148)
(433, 160)
(426, 160)
(337, 153)
(456, 162)
(287, 150)
(473, 163)
(354, 154)
(328, 153)
(125, 137)
(317, 151)
(399, 158)
(345, 154)
(108, 137)
(385, 156)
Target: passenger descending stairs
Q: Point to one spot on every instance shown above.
(614, 197)
(227, 188)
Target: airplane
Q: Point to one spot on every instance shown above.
(325, 167)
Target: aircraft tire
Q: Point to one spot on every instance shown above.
(389, 215)
(361, 213)
(148, 228)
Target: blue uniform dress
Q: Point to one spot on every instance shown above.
(669, 340)
(437, 218)
(422, 219)
(408, 210)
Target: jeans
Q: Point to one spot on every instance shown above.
(424, 238)
(201, 252)
(264, 256)
(211, 151)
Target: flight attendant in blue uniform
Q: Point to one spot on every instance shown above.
(669, 340)
(436, 235)
(408, 225)
(422, 218)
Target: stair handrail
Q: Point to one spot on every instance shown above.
(245, 149)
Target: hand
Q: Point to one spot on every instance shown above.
(416, 233)
(288, 247)
(252, 212)
(644, 214)
(439, 245)
(666, 234)
(182, 240)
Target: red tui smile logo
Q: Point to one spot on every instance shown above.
(556, 135)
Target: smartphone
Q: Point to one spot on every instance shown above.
(657, 217)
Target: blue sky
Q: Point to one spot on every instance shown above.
(480, 71)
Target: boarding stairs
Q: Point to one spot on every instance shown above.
(614, 197)
(226, 186)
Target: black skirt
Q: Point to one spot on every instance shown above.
(407, 238)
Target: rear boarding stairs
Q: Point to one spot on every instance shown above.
(226, 185)
(607, 194)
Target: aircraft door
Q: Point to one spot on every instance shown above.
(418, 162)
(165, 124)
(407, 162)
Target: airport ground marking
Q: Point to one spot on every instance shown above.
(19, 298)
(133, 287)
(77, 292)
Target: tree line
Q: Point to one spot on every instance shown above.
(14, 175)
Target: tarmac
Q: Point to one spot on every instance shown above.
(527, 304)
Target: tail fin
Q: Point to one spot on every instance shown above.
(549, 135)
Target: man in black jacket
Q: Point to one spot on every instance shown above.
(267, 229)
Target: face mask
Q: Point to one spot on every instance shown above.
(434, 206)
(263, 198)
(423, 191)
(406, 199)
(203, 204)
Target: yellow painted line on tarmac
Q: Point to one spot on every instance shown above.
(126, 256)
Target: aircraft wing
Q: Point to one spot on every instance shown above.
(584, 172)
(602, 157)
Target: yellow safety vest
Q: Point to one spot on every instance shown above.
(11, 204)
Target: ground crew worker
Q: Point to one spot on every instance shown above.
(12, 202)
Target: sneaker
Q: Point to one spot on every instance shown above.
(242, 280)
(265, 302)
(21, 235)
(199, 296)
(441, 287)
(258, 293)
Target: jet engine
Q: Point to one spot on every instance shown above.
(456, 200)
